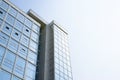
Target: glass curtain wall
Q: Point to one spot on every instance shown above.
(61, 55)
(18, 44)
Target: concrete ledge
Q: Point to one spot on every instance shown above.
(37, 18)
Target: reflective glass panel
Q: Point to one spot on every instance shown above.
(15, 78)
(57, 66)
(32, 57)
(30, 71)
(2, 13)
(12, 11)
(57, 77)
(4, 5)
(16, 34)
(36, 28)
(0, 22)
(3, 39)
(20, 17)
(8, 61)
(33, 46)
(22, 51)
(26, 31)
(24, 40)
(2, 51)
(10, 19)
(28, 23)
(13, 45)
(19, 67)
(34, 36)
(4, 75)
(7, 28)
(18, 25)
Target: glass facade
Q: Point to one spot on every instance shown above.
(19, 38)
(62, 65)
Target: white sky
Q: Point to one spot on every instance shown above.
(94, 31)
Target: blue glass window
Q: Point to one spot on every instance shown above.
(4, 75)
(57, 77)
(12, 11)
(57, 71)
(32, 57)
(18, 25)
(57, 66)
(10, 19)
(2, 13)
(28, 23)
(24, 40)
(69, 74)
(61, 78)
(70, 78)
(16, 34)
(66, 77)
(61, 69)
(36, 28)
(3, 39)
(15, 78)
(20, 17)
(65, 71)
(8, 61)
(13, 45)
(33, 46)
(7, 29)
(26, 31)
(30, 71)
(19, 67)
(57, 60)
(4, 5)
(0, 22)
(22, 51)
(34, 37)
(2, 51)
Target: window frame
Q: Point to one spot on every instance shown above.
(8, 62)
(12, 47)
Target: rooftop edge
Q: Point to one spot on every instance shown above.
(37, 18)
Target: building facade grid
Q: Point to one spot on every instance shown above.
(61, 55)
(19, 37)
(30, 48)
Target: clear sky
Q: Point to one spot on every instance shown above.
(94, 32)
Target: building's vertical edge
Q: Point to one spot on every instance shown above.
(41, 64)
(41, 55)
(49, 75)
(46, 61)
(53, 52)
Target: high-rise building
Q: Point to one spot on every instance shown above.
(30, 47)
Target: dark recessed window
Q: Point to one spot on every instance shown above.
(27, 30)
(23, 49)
(16, 34)
(1, 12)
(3, 37)
(7, 28)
